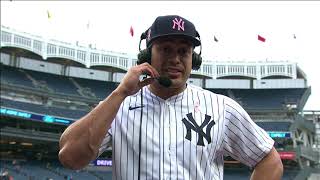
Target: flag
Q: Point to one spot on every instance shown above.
(215, 39)
(262, 39)
(48, 14)
(131, 31)
(88, 25)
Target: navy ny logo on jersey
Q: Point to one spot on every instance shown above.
(191, 124)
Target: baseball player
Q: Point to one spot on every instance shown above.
(174, 130)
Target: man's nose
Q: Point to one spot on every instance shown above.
(174, 57)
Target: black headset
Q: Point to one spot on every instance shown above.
(145, 54)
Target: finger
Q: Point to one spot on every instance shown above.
(146, 68)
(146, 82)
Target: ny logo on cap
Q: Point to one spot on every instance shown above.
(179, 23)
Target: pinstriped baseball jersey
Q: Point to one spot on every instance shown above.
(183, 137)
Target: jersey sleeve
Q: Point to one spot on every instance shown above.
(106, 143)
(243, 139)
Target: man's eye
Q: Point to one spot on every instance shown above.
(166, 50)
(183, 52)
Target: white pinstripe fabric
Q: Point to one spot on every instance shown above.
(166, 153)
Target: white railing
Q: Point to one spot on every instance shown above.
(91, 57)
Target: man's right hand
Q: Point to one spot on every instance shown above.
(131, 83)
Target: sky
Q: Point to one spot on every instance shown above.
(236, 25)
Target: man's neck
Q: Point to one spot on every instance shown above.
(164, 92)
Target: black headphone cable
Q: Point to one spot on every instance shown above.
(140, 129)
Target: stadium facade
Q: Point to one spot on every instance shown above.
(48, 84)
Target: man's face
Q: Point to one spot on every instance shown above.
(172, 57)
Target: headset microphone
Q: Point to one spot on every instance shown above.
(164, 81)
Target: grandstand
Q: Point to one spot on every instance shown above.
(46, 85)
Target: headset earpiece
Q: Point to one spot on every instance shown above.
(144, 56)
(196, 58)
(196, 61)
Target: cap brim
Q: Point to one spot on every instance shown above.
(194, 41)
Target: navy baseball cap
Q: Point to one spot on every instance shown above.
(172, 25)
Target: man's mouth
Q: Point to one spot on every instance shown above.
(173, 72)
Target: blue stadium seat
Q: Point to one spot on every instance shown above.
(275, 126)
(100, 88)
(58, 83)
(41, 170)
(15, 76)
(263, 99)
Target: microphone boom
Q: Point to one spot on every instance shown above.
(164, 81)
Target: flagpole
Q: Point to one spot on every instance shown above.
(87, 36)
(295, 48)
(48, 26)
(46, 33)
(263, 51)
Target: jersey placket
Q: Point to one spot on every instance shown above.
(162, 139)
(168, 150)
(172, 142)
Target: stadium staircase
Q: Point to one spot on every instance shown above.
(83, 91)
(304, 132)
(306, 147)
(38, 84)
